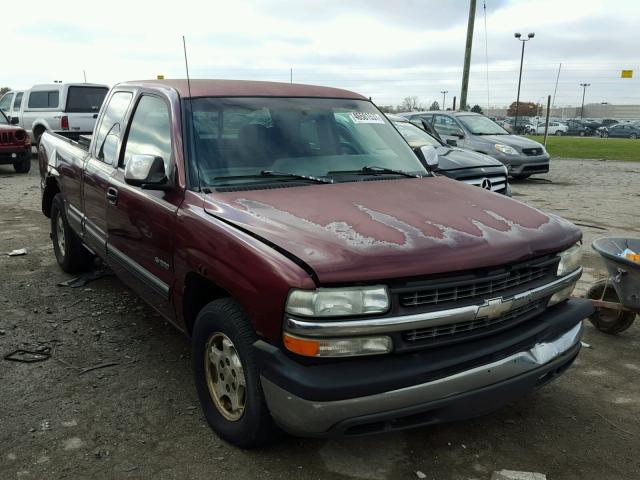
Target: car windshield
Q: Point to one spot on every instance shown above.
(3, 119)
(415, 136)
(479, 125)
(239, 141)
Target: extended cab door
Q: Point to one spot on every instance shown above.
(141, 221)
(99, 168)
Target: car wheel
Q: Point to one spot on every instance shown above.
(581, 133)
(71, 254)
(23, 166)
(605, 319)
(633, 136)
(226, 375)
(558, 133)
(604, 134)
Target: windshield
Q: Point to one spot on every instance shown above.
(3, 119)
(415, 136)
(314, 137)
(479, 125)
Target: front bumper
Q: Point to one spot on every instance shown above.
(522, 164)
(362, 396)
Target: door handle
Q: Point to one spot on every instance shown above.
(112, 195)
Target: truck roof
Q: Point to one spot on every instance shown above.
(57, 86)
(245, 88)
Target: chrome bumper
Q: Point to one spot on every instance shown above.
(315, 418)
(492, 308)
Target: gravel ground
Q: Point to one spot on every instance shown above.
(139, 418)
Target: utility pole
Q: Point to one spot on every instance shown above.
(584, 90)
(291, 75)
(85, 76)
(467, 55)
(444, 96)
(523, 40)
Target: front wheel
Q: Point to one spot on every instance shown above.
(226, 375)
(633, 136)
(608, 320)
(70, 253)
(582, 133)
(23, 166)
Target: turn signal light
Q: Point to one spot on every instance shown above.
(337, 347)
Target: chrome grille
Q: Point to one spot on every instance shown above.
(498, 182)
(477, 288)
(460, 328)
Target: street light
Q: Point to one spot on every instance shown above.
(444, 95)
(523, 40)
(584, 90)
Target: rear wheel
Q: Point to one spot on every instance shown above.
(581, 133)
(70, 253)
(558, 133)
(226, 375)
(608, 320)
(604, 134)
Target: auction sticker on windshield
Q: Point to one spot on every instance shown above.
(364, 117)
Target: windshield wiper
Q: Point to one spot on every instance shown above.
(375, 170)
(271, 173)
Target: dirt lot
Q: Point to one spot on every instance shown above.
(140, 419)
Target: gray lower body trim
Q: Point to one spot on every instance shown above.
(491, 308)
(133, 267)
(307, 417)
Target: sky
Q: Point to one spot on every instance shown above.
(384, 49)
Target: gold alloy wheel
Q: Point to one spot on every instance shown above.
(225, 376)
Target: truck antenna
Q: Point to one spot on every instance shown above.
(193, 142)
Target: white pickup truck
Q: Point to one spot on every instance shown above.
(69, 109)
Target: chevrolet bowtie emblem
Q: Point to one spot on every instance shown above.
(494, 308)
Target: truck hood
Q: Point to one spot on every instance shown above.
(455, 158)
(512, 140)
(375, 230)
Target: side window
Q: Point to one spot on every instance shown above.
(5, 102)
(150, 131)
(44, 99)
(446, 125)
(17, 102)
(110, 128)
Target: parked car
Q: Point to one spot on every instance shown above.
(622, 130)
(523, 157)
(10, 104)
(69, 109)
(463, 165)
(509, 124)
(15, 146)
(576, 129)
(555, 128)
(330, 284)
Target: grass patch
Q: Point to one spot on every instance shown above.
(624, 149)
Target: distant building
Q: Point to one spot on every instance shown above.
(591, 110)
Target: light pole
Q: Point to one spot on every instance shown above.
(523, 40)
(584, 90)
(444, 95)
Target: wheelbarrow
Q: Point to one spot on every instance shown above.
(617, 298)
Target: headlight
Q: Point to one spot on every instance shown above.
(337, 347)
(506, 149)
(569, 260)
(336, 302)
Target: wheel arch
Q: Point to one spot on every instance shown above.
(51, 189)
(198, 292)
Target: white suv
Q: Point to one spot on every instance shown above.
(70, 109)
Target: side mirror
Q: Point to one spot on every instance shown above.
(146, 171)
(14, 120)
(451, 142)
(458, 134)
(430, 157)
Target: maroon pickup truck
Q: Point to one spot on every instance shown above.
(15, 146)
(329, 282)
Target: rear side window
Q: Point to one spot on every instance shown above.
(17, 102)
(85, 99)
(5, 102)
(108, 132)
(44, 99)
(150, 131)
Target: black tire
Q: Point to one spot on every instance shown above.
(604, 319)
(558, 133)
(582, 133)
(71, 254)
(522, 176)
(23, 166)
(633, 136)
(254, 427)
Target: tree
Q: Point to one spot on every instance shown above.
(435, 106)
(4, 90)
(525, 109)
(409, 104)
(477, 109)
